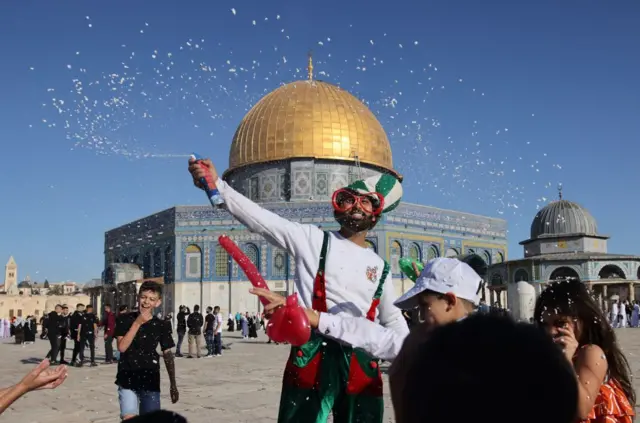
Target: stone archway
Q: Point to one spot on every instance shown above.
(611, 271)
(563, 272)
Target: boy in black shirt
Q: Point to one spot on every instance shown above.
(181, 327)
(88, 333)
(75, 323)
(138, 335)
(209, 321)
(194, 324)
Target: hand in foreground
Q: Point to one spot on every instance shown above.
(44, 377)
(275, 300)
(175, 395)
(567, 340)
(201, 169)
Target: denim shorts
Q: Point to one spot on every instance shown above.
(134, 403)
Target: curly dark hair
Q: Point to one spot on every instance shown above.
(572, 298)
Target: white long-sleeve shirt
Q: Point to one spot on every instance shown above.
(352, 272)
(378, 341)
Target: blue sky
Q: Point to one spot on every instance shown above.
(488, 106)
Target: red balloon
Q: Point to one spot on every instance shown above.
(290, 323)
(287, 324)
(249, 269)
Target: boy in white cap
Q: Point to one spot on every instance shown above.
(446, 291)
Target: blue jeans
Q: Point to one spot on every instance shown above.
(134, 403)
(217, 344)
(208, 338)
(180, 339)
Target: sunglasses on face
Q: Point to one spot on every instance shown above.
(344, 200)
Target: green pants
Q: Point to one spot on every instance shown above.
(324, 377)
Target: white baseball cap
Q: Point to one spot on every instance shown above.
(444, 276)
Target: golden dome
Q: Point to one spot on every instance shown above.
(310, 119)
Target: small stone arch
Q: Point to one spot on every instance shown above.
(486, 256)
(395, 254)
(415, 252)
(611, 271)
(452, 252)
(499, 257)
(521, 275)
(433, 252)
(193, 259)
(564, 272)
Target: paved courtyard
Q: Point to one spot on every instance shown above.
(241, 386)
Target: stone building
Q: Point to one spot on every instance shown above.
(565, 243)
(291, 151)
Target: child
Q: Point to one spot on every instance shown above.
(138, 335)
(570, 315)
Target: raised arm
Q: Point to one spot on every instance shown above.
(276, 229)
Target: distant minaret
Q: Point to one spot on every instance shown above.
(10, 274)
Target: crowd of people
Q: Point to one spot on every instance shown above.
(565, 366)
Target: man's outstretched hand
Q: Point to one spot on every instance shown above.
(44, 377)
(201, 169)
(275, 300)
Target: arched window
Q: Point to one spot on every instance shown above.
(222, 262)
(125, 259)
(611, 271)
(146, 265)
(194, 261)
(279, 268)
(414, 252)
(432, 252)
(499, 257)
(168, 264)
(563, 273)
(395, 256)
(252, 252)
(486, 255)
(157, 263)
(370, 245)
(452, 252)
(521, 276)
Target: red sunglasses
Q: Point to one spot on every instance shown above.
(344, 200)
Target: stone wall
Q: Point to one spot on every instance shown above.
(23, 306)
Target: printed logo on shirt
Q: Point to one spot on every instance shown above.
(372, 273)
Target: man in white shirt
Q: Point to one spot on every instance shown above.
(217, 332)
(336, 274)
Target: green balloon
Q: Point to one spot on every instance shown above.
(406, 266)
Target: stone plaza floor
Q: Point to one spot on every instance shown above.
(241, 386)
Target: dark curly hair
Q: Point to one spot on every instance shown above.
(571, 298)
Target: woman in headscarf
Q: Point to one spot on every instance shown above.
(230, 323)
(245, 325)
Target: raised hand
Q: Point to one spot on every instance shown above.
(202, 169)
(44, 377)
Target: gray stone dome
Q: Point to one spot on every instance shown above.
(563, 217)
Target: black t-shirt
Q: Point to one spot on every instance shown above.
(194, 323)
(139, 365)
(53, 323)
(75, 320)
(209, 319)
(182, 321)
(88, 322)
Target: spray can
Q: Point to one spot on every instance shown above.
(209, 186)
